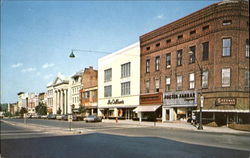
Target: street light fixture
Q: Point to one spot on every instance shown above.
(200, 127)
(72, 55)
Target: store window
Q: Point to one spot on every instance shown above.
(205, 50)
(125, 88)
(148, 65)
(179, 57)
(168, 60)
(192, 55)
(179, 82)
(191, 81)
(125, 70)
(107, 75)
(157, 85)
(226, 45)
(225, 75)
(107, 91)
(168, 83)
(205, 79)
(157, 63)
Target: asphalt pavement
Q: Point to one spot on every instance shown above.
(107, 140)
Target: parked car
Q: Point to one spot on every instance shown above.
(51, 116)
(43, 116)
(59, 117)
(93, 118)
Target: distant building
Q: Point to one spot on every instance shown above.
(75, 87)
(88, 93)
(22, 100)
(58, 95)
(32, 100)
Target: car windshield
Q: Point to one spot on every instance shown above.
(91, 116)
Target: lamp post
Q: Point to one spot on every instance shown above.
(72, 55)
(200, 127)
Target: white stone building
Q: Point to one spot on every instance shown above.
(75, 87)
(119, 83)
(22, 100)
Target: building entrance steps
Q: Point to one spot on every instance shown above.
(177, 125)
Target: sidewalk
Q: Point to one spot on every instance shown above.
(179, 125)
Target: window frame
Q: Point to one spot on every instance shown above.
(157, 63)
(192, 56)
(191, 82)
(204, 82)
(168, 60)
(179, 58)
(147, 65)
(230, 48)
(205, 57)
(224, 84)
(167, 85)
(179, 86)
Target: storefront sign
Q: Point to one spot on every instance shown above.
(180, 99)
(225, 101)
(151, 98)
(115, 101)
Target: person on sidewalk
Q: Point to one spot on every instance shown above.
(194, 121)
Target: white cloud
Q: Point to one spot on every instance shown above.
(48, 76)
(38, 73)
(159, 16)
(28, 69)
(17, 65)
(47, 65)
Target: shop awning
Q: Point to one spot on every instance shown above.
(146, 108)
(216, 110)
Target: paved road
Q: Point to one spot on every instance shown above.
(115, 142)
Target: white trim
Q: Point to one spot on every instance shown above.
(215, 110)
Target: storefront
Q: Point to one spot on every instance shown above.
(179, 105)
(150, 107)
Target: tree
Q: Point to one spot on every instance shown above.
(23, 111)
(82, 109)
(41, 109)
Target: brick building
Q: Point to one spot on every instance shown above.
(214, 42)
(88, 93)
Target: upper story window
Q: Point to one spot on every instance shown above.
(148, 65)
(147, 86)
(205, 79)
(226, 46)
(205, 51)
(247, 47)
(157, 63)
(158, 45)
(205, 27)
(148, 48)
(168, 41)
(86, 95)
(226, 22)
(125, 88)
(192, 32)
(168, 83)
(179, 37)
(192, 55)
(107, 75)
(179, 57)
(225, 77)
(191, 81)
(247, 78)
(157, 85)
(168, 60)
(179, 82)
(125, 70)
(107, 91)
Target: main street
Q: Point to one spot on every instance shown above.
(37, 139)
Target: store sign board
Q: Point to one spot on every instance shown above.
(180, 99)
(151, 98)
(225, 101)
(115, 101)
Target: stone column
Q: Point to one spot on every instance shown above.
(62, 100)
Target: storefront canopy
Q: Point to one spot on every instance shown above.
(146, 108)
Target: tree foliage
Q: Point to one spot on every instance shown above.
(59, 111)
(23, 111)
(41, 109)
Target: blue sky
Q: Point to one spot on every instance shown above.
(37, 36)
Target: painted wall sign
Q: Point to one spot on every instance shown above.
(151, 98)
(115, 101)
(225, 101)
(180, 99)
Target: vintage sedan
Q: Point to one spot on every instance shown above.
(93, 118)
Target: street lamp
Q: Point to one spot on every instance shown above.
(200, 127)
(72, 55)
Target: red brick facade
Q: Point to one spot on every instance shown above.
(211, 24)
